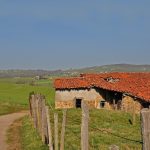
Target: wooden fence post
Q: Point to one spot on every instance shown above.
(40, 114)
(37, 112)
(63, 130)
(34, 111)
(114, 104)
(84, 127)
(30, 104)
(133, 114)
(145, 125)
(43, 119)
(44, 124)
(49, 129)
(56, 130)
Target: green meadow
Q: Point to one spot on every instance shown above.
(14, 93)
(105, 128)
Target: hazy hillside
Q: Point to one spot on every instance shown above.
(115, 68)
(27, 73)
(74, 72)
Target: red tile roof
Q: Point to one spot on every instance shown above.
(136, 84)
(71, 83)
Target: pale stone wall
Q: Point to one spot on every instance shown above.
(107, 105)
(65, 98)
(64, 104)
(129, 103)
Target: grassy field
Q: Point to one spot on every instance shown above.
(14, 93)
(105, 127)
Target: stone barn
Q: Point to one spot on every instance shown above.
(122, 91)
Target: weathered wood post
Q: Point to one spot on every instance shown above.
(49, 129)
(56, 130)
(44, 123)
(43, 120)
(84, 127)
(133, 114)
(40, 114)
(34, 110)
(37, 111)
(114, 104)
(145, 125)
(41, 101)
(63, 130)
(30, 104)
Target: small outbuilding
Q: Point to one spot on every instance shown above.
(122, 91)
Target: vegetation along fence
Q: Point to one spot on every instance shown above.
(41, 116)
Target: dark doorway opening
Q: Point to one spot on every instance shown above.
(102, 104)
(78, 103)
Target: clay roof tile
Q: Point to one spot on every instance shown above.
(138, 84)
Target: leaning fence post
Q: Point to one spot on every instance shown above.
(49, 129)
(63, 130)
(84, 127)
(44, 123)
(145, 125)
(56, 130)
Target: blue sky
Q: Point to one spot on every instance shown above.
(50, 34)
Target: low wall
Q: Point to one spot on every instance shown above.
(129, 104)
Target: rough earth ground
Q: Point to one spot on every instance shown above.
(5, 122)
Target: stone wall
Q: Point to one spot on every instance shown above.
(93, 97)
(129, 104)
(65, 98)
(64, 104)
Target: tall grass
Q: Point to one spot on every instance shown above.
(30, 140)
(105, 128)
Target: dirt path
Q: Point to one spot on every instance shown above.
(5, 122)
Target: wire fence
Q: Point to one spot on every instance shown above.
(80, 130)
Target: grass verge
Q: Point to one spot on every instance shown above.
(22, 136)
(30, 140)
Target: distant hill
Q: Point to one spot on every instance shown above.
(28, 73)
(114, 68)
(75, 72)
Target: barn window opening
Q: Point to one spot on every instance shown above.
(78, 103)
(102, 104)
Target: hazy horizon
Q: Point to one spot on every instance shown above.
(63, 69)
(53, 35)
